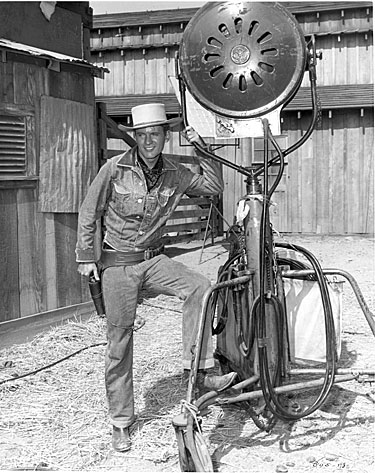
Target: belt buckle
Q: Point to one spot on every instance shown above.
(147, 254)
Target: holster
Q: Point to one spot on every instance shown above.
(95, 287)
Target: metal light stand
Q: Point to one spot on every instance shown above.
(253, 320)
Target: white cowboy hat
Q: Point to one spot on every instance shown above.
(150, 114)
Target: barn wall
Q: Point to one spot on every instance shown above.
(37, 255)
(137, 72)
(329, 180)
(345, 59)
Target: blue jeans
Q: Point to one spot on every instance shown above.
(121, 286)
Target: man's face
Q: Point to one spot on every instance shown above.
(151, 141)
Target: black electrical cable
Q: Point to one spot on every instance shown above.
(292, 263)
(245, 348)
(15, 378)
(282, 163)
(223, 315)
(279, 320)
(314, 101)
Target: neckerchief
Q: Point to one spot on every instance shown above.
(151, 174)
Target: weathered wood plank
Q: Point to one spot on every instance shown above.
(13, 109)
(194, 201)
(9, 274)
(337, 194)
(195, 213)
(151, 77)
(51, 264)
(6, 82)
(322, 157)
(278, 211)
(31, 161)
(308, 187)
(183, 227)
(74, 87)
(129, 71)
(32, 285)
(182, 237)
(367, 139)
(24, 330)
(19, 183)
(139, 72)
(68, 279)
(26, 79)
(291, 125)
(353, 185)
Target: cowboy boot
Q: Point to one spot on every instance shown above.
(121, 439)
(208, 382)
(215, 382)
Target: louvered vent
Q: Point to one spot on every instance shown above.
(12, 146)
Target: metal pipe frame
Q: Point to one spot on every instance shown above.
(201, 323)
(301, 274)
(290, 388)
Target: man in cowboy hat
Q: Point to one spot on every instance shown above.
(135, 193)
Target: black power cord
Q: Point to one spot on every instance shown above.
(15, 378)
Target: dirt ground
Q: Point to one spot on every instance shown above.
(56, 420)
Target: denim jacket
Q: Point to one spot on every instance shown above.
(134, 218)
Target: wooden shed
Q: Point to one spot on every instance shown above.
(48, 157)
(327, 186)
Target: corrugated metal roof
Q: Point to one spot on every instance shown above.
(330, 97)
(183, 15)
(46, 54)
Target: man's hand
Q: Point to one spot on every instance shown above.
(86, 269)
(192, 136)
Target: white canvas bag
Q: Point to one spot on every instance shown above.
(306, 323)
